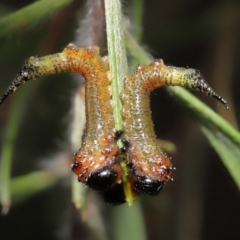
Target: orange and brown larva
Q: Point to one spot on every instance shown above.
(151, 169)
(96, 163)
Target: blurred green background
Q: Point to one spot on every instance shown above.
(202, 202)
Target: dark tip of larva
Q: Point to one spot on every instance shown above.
(144, 185)
(222, 100)
(201, 85)
(102, 179)
(115, 196)
(2, 99)
(8, 92)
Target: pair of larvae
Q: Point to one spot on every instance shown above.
(97, 163)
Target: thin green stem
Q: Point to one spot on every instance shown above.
(204, 113)
(30, 15)
(23, 187)
(136, 50)
(124, 218)
(119, 69)
(116, 53)
(7, 149)
(137, 12)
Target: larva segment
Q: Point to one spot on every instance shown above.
(96, 163)
(174, 76)
(151, 169)
(35, 68)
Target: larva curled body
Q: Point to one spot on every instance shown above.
(151, 169)
(96, 163)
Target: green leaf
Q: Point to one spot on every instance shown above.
(224, 138)
(128, 223)
(30, 15)
(227, 150)
(8, 147)
(27, 185)
(117, 54)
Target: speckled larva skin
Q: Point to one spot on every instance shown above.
(96, 163)
(151, 168)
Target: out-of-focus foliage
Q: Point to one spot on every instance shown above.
(201, 203)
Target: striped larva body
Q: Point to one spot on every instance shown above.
(151, 169)
(96, 163)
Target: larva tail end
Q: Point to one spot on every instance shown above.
(6, 95)
(200, 84)
(12, 88)
(222, 100)
(27, 73)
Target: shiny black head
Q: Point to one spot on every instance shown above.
(102, 179)
(144, 185)
(115, 195)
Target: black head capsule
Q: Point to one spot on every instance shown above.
(144, 185)
(102, 179)
(115, 195)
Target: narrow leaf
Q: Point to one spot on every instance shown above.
(30, 15)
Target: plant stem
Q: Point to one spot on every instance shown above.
(116, 53)
(30, 15)
(119, 69)
(7, 149)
